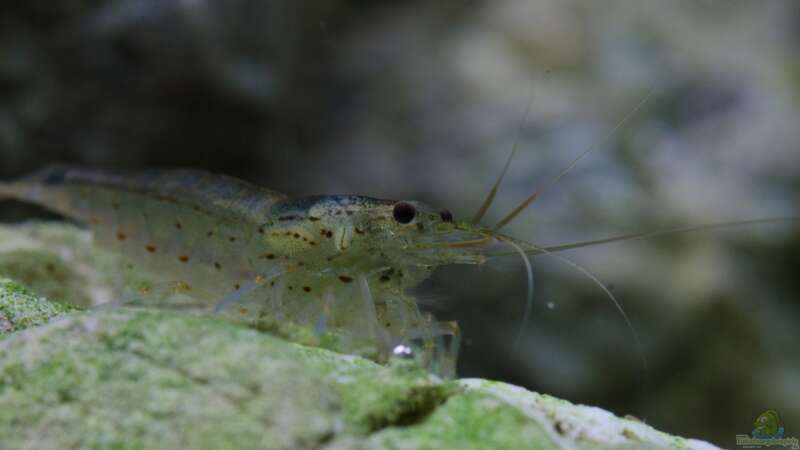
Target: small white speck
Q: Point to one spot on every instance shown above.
(551, 305)
(402, 351)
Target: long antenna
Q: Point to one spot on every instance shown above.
(650, 234)
(513, 214)
(493, 192)
(637, 341)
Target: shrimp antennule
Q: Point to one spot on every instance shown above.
(487, 202)
(525, 203)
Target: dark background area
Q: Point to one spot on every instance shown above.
(424, 100)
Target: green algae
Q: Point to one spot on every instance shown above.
(20, 309)
(374, 396)
(468, 421)
(137, 379)
(216, 384)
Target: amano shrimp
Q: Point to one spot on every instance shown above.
(342, 264)
(339, 264)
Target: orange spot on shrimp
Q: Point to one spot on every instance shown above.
(243, 311)
(183, 258)
(150, 248)
(121, 236)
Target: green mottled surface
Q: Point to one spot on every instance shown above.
(20, 309)
(123, 378)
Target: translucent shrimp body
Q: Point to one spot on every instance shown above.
(342, 264)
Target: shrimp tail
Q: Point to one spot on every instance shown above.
(29, 188)
(11, 191)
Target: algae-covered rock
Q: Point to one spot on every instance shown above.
(20, 309)
(127, 378)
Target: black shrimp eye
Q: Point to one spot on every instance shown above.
(447, 216)
(404, 212)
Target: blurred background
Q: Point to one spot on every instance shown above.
(424, 100)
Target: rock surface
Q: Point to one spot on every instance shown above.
(126, 378)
